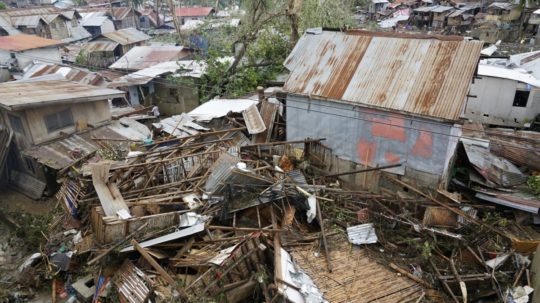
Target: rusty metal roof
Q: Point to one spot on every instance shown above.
(28, 21)
(18, 95)
(25, 42)
(69, 73)
(127, 36)
(193, 11)
(416, 74)
(100, 46)
(141, 57)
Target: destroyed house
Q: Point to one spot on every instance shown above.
(382, 99)
(40, 113)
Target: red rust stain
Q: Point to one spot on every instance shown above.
(423, 147)
(366, 151)
(390, 128)
(391, 158)
(344, 68)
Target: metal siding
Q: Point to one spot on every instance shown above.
(416, 74)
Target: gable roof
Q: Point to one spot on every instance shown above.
(416, 74)
(26, 42)
(18, 95)
(126, 36)
(193, 11)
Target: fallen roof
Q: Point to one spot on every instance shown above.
(193, 11)
(218, 108)
(26, 42)
(69, 73)
(507, 73)
(190, 68)
(58, 154)
(20, 94)
(417, 74)
(141, 57)
(127, 36)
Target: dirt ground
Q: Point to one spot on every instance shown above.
(13, 248)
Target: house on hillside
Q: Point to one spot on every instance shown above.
(382, 99)
(376, 6)
(120, 41)
(500, 22)
(97, 23)
(440, 16)
(125, 17)
(141, 57)
(46, 118)
(185, 14)
(149, 18)
(150, 85)
(20, 50)
(32, 25)
(503, 96)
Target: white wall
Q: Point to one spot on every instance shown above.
(494, 102)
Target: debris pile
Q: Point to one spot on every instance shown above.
(214, 212)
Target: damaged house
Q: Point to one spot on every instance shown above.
(382, 99)
(54, 123)
(501, 22)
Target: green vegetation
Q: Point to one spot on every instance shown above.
(534, 184)
(3, 6)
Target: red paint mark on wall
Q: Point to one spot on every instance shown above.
(390, 128)
(423, 147)
(366, 151)
(391, 158)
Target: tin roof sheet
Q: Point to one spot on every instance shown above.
(25, 42)
(507, 73)
(93, 19)
(416, 74)
(69, 73)
(141, 57)
(28, 21)
(120, 13)
(192, 68)
(100, 46)
(127, 36)
(20, 94)
(193, 11)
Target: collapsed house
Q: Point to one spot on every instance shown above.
(140, 57)
(378, 101)
(53, 123)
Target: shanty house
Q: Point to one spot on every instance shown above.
(185, 14)
(124, 17)
(148, 18)
(503, 12)
(41, 113)
(376, 6)
(382, 99)
(97, 23)
(146, 56)
(440, 16)
(123, 40)
(462, 19)
(32, 25)
(20, 50)
(503, 96)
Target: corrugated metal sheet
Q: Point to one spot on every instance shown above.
(93, 19)
(69, 73)
(218, 108)
(130, 282)
(100, 46)
(127, 36)
(28, 21)
(193, 11)
(5, 24)
(192, 69)
(422, 75)
(77, 33)
(362, 234)
(141, 57)
(119, 13)
(25, 42)
(19, 94)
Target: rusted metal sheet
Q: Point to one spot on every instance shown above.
(193, 11)
(268, 112)
(131, 285)
(422, 75)
(73, 74)
(26, 42)
(21, 94)
(141, 57)
(439, 217)
(100, 46)
(127, 36)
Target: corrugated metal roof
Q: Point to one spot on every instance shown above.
(254, 121)
(127, 36)
(20, 94)
(362, 234)
(416, 74)
(28, 21)
(5, 24)
(25, 42)
(218, 108)
(69, 73)
(502, 5)
(93, 19)
(119, 13)
(191, 68)
(77, 33)
(141, 57)
(193, 11)
(100, 46)
(507, 73)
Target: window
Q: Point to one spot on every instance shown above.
(59, 120)
(16, 124)
(521, 98)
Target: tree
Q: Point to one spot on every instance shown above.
(3, 6)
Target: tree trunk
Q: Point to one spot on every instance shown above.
(175, 18)
(291, 13)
